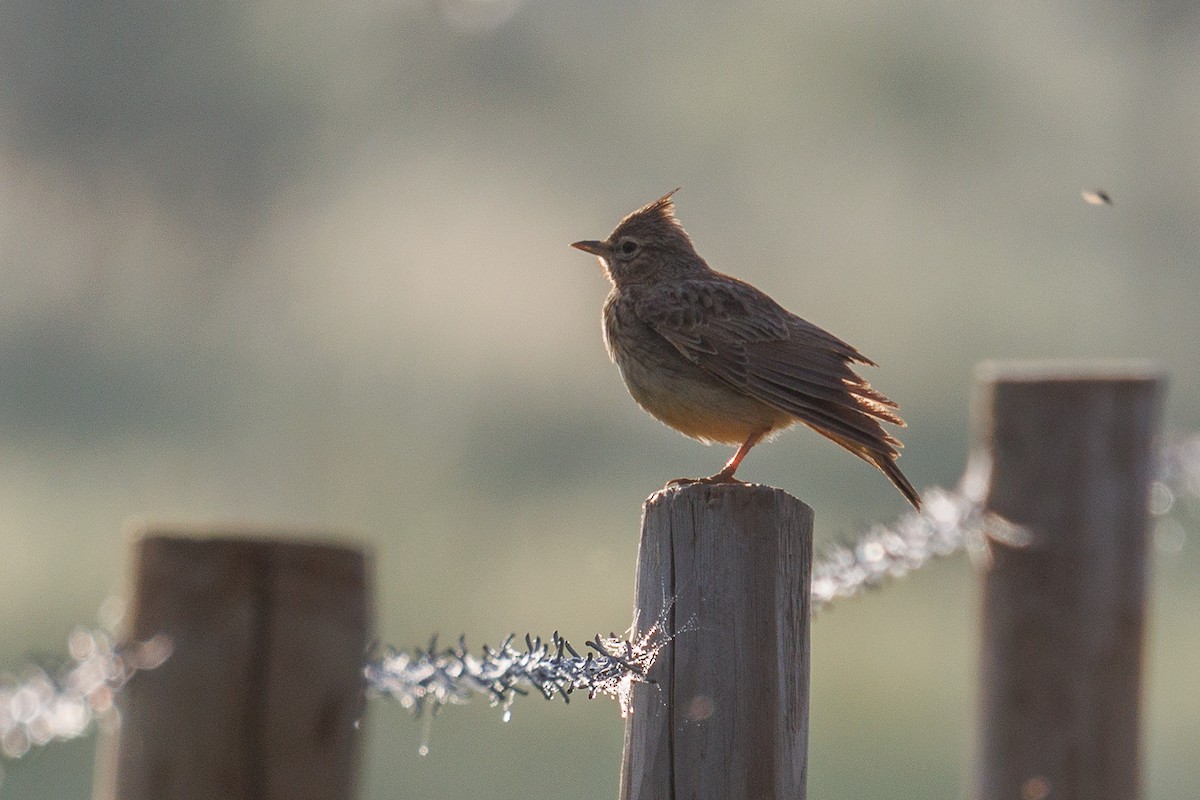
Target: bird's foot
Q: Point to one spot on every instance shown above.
(720, 477)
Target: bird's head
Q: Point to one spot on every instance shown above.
(647, 246)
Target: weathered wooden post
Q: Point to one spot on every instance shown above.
(260, 696)
(727, 568)
(1071, 460)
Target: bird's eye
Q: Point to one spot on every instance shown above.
(627, 247)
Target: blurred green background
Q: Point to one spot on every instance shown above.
(306, 264)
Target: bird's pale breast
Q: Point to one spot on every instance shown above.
(677, 392)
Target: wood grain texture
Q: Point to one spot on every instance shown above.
(727, 567)
(1071, 461)
(261, 693)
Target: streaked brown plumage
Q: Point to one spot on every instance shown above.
(720, 361)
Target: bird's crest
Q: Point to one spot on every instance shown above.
(661, 210)
(663, 207)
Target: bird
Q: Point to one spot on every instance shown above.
(721, 362)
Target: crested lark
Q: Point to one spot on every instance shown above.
(719, 361)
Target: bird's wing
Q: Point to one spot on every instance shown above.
(746, 339)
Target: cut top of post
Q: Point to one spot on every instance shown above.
(1053, 370)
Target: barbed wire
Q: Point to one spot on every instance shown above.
(1178, 477)
(43, 705)
(949, 521)
(432, 678)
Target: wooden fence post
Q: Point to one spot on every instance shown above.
(1071, 460)
(727, 569)
(260, 696)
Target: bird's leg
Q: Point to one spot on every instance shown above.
(726, 473)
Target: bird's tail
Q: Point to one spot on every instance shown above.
(885, 461)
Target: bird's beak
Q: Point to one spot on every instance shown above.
(591, 246)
